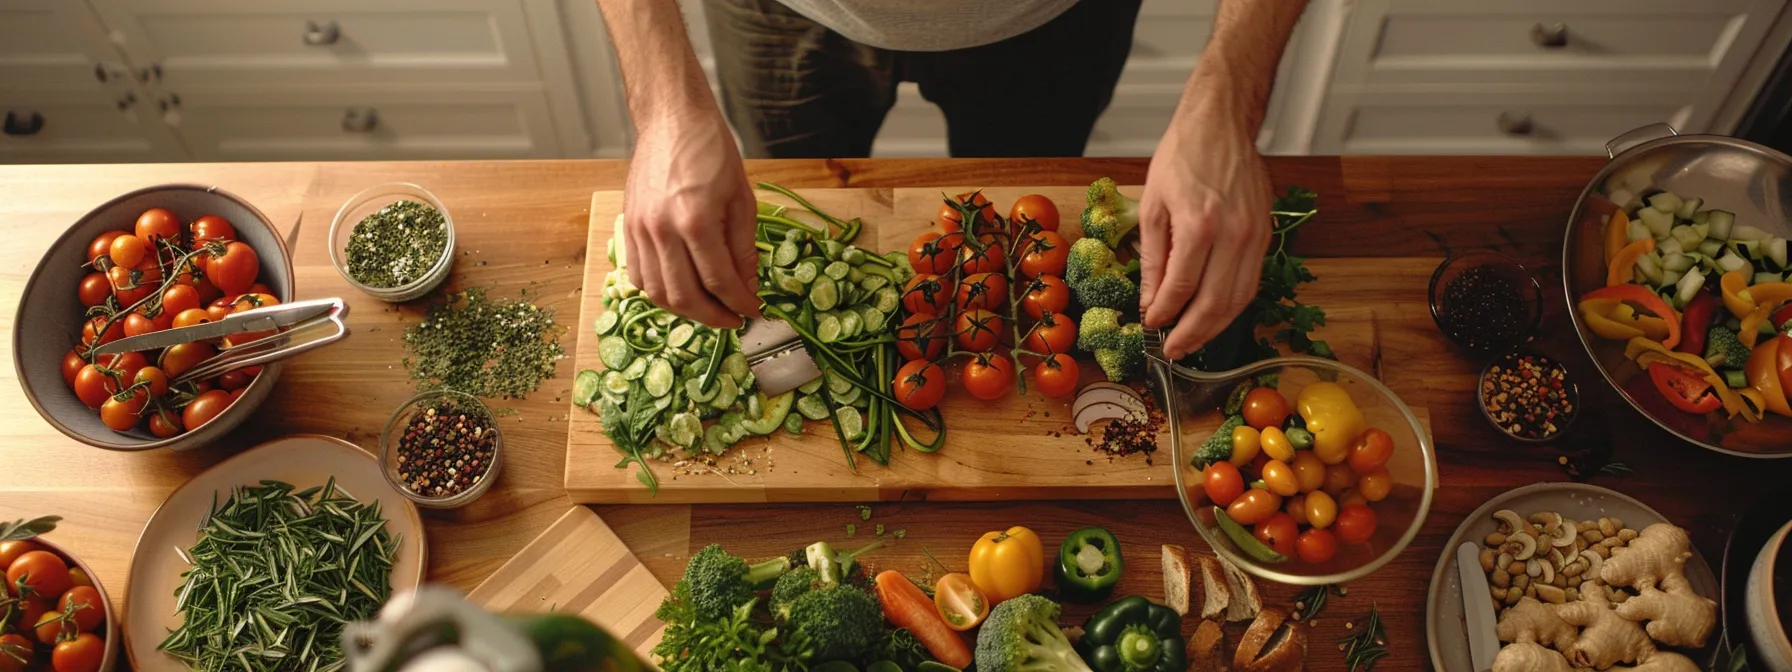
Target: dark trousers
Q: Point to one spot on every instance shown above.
(795, 89)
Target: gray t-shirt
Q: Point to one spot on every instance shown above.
(929, 25)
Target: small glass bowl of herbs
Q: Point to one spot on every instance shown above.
(394, 241)
(442, 449)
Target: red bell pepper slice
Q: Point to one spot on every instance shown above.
(1684, 389)
(1696, 322)
(1647, 300)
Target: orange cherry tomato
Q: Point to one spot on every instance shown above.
(1338, 478)
(1044, 295)
(178, 358)
(1355, 524)
(1264, 407)
(135, 324)
(1254, 506)
(192, 316)
(1035, 208)
(234, 270)
(919, 337)
(962, 605)
(10, 551)
(123, 414)
(156, 224)
(127, 250)
(1278, 532)
(154, 379)
(1373, 448)
(1309, 470)
(1223, 483)
(179, 298)
(1319, 509)
(1280, 479)
(91, 330)
(1375, 484)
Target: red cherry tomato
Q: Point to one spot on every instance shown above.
(988, 377)
(1355, 524)
(211, 227)
(1046, 253)
(1278, 532)
(234, 380)
(1264, 407)
(178, 358)
(919, 385)
(132, 285)
(919, 337)
(934, 253)
(101, 248)
(986, 258)
(156, 224)
(72, 363)
(1055, 333)
(1035, 208)
(1316, 546)
(983, 291)
(164, 424)
(952, 220)
(135, 324)
(179, 298)
(1045, 294)
(979, 330)
(1223, 483)
(18, 645)
(121, 415)
(205, 407)
(926, 293)
(90, 386)
(245, 303)
(233, 271)
(1373, 448)
(84, 602)
(91, 330)
(1056, 376)
(155, 380)
(44, 574)
(95, 289)
(84, 653)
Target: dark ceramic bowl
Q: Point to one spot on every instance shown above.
(50, 314)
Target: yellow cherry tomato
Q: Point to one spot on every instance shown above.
(1244, 445)
(1308, 470)
(1279, 478)
(1321, 509)
(1276, 444)
(1332, 417)
(1374, 484)
(1296, 508)
(1008, 564)
(1338, 478)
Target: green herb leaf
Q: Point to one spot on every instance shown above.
(19, 530)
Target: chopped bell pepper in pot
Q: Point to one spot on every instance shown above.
(1618, 273)
(1616, 233)
(1647, 300)
(1089, 565)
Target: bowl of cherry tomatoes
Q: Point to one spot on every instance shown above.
(64, 620)
(153, 259)
(1298, 469)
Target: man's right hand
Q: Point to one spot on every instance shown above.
(689, 213)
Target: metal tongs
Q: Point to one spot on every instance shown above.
(297, 328)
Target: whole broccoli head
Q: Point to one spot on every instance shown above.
(720, 581)
(840, 623)
(1724, 348)
(1119, 349)
(1097, 277)
(1109, 215)
(1022, 634)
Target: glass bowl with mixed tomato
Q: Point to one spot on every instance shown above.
(1298, 469)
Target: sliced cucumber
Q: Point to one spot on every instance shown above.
(1688, 287)
(735, 365)
(1721, 221)
(685, 429)
(1689, 208)
(812, 407)
(1675, 262)
(1659, 223)
(615, 352)
(793, 423)
(1711, 248)
(659, 377)
(607, 321)
(726, 394)
(873, 319)
(872, 283)
(850, 396)
(615, 383)
(832, 248)
(810, 387)
(754, 401)
(1746, 232)
(732, 431)
(1672, 245)
(1766, 277)
(693, 388)
(1776, 252)
(1650, 268)
(681, 335)
(1669, 278)
(664, 320)
(824, 293)
(1686, 237)
(827, 327)
(1666, 203)
(807, 270)
(850, 324)
(851, 423)
(585, 387)
(786, 254)
(1636, 231)
(888, 299)
(713, 442)
(1731, 262)
(1735, 379)
(837, 383)
(770, 415)
(635, 369)
(837, 270)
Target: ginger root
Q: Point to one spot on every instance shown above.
(1529, 657)
(1663, 661)
(1607, 638)
(1530, 621)
(1660, 551)
(1676, 615)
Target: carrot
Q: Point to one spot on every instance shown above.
(907, 607)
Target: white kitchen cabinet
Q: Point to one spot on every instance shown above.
(368, 124)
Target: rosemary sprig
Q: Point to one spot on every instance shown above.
(20, 530)
(1615, 469)
(1365, 645)
(1311, 601)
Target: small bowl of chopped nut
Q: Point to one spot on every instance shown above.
(393, 241)
(442, 449)
(1528, 397)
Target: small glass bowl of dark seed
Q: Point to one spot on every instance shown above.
(1486, 302)
(442, 449)
(1527, 396)
(394, 241)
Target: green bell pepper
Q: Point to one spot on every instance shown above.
(1089, 565)
(1134, 635)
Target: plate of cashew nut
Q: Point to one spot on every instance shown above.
(1581, 578)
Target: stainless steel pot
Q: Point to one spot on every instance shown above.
(1753, 181)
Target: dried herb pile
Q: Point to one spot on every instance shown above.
(274, 576)
(483, 347)
(397, 245)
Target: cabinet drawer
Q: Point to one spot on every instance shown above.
(49, 43)
(1675, 43)
(78, 127)
(275, 125)
(1484, 123)
(198, 42)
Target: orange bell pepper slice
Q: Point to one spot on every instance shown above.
(1647, 300)
(1616, 232)
(1618, 273)
(1737, 297)
(1763, 374)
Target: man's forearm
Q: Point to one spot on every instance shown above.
(1237, 71)
(660, 73)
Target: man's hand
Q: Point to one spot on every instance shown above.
(689, 213)
(1204, 223)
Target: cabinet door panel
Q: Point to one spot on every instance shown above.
(361, 125)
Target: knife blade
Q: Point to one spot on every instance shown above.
(776, 356)
(1477, 609)
(259, 319)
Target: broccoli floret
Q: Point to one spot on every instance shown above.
(1724, 348)
(1097, 277)
(1110, 215)
(1218, 448)
(720, 581)
(831, 567)
(1022, 634)
(841, 623)
(792, 585)
(904, 649)
(1119, 349)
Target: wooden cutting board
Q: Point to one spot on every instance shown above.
(579, 566)
(1020, 447)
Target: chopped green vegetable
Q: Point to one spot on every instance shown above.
(1218, 448)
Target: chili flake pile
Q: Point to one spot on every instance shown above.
(397, 245)
(446, 449)
(1132, 433)
(482, 347)
(1528, 396)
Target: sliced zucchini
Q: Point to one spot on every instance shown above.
(837, 383)
(659, 377)
(810, 387)
(1672, 245)
(1686, 237)
(1688, 287)
(614, 383)
(1776, 252)
(735, 365)
(681, 335)
(807, 270)
(850, 324)
(832, 248)
(888, 299)
(851, 423)
(824, 294)
(849, 397)
(837, 270)
(873, 319)
(1666, 203)
(607, 321)
(1659, 223)
(685, 428)
(1675, 262)
(585, 387)
(635, 369)
(1636, 231)
(712, 440)
(1721, 221)
(1731, 262)
(1765, 277)
(793, 423)
(693, 388)
(1669, 278)
(827, 327)
(786, 254)
(726, 393)
(1701, 218)
(1711, 248)
(615, 352)
(1746, 232)
(1689, 208)
(1650, 268)
(812, 407)
(1735, 379)
(872, 283)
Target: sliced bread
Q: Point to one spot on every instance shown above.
(1178, 579)
(1216, 591)
(1272, 644)
(1207, 648)
(1244, 602)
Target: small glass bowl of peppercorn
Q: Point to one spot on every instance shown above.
(442, 449)
(1528, 396)
(1486, 302)
(394, 241)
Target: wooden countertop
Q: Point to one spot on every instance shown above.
(522, 225)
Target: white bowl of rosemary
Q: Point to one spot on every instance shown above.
(394, 241)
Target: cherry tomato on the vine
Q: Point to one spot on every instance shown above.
(926, 293)
(164, 423)
(1037, 208)
(101, 248)
(135, 324)
(157, 224)
(95, 289)
(84, 653)
(178, 358)
(72, 363)
(84, 603)
(205, 407)
(985, 257)
(919, 385)
(91, 330)
(234, 380)
(1055, 333)
(43, 573)
(192, 316)
(1056, 375)
(18, 644)
(1045, 253)
(211, 227)
(127, 250)
(919, 337)
(121, 414)
(950, 217)
(983, 291)
(988, 376)
(234, 270)
(979, 330)
(935, 253)
(154, 378)
(1045, 294)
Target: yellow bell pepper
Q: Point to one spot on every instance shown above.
(1008, 564)
(1646, 352)
(1618, 273)
(1737, 296)
(1750, 331)
(1602, 324)
(1617, 232)
(1332, 417)
(1613, 319)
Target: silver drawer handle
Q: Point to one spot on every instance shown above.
(360, 120)
(322, 36)
(1511, 124)
(21, 124)
(1550, 36)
